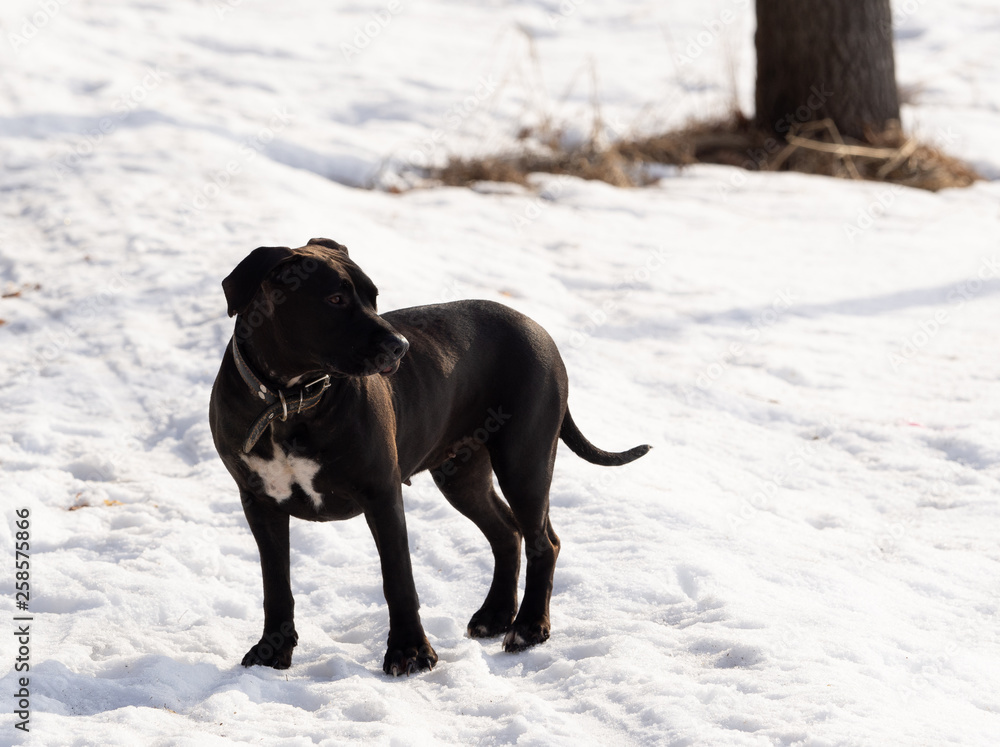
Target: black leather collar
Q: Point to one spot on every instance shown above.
(280, 402)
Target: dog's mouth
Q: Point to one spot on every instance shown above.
(378, 369)
(390, 369)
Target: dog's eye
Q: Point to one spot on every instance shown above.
(337, 300)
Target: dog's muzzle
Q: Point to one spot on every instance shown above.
(395, 350)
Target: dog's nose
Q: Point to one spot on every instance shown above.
(398, 347)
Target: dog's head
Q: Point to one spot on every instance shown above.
(311, 309)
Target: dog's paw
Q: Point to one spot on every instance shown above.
(521, 636)
(489, 623)
(265, 654)
(409, 660)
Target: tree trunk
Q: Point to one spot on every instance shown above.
(825, 58)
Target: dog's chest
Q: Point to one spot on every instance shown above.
(280, 474)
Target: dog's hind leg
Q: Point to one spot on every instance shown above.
(524, 477)
(470, 489)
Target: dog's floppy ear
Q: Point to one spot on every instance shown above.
(329, 244)
(243, 283)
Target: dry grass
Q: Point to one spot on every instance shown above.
(812, 148)
(587, 163)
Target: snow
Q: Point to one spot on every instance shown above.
(807, 556)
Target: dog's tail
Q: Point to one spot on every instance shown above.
(580, 446)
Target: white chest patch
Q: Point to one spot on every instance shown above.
(282, 472)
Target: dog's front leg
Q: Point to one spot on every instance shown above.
(270, 529)
(408, 648)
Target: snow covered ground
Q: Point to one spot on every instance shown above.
(809, 554)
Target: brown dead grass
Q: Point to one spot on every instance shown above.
(812, 148)
(586, 162)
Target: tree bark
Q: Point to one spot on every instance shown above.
(825, 58)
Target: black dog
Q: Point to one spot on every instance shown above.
(317, 414)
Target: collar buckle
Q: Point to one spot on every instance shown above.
(278, 405)
(324, 379)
